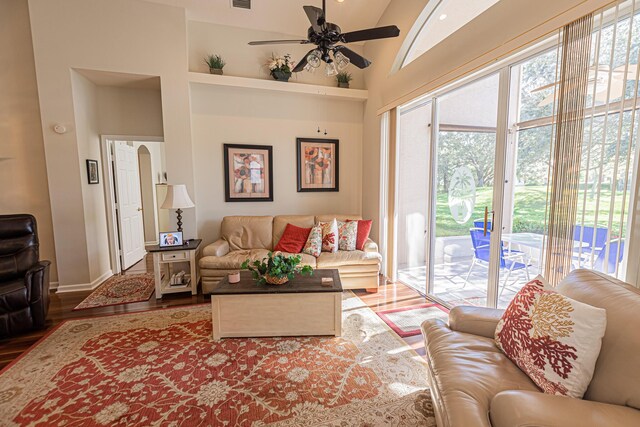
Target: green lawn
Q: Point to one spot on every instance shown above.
(529, 211)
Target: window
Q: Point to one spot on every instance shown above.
(439, 20)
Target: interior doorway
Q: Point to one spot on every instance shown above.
(134, 170)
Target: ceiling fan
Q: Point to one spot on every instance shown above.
(326, 36)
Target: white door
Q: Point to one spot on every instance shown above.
(129, 204)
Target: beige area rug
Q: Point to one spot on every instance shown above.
(162, 368)
(120, 290)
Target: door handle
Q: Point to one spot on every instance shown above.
(139, 209)
(486, 219)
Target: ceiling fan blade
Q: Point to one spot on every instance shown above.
(300, 66)
(262, 42)
(316, 17)
(355, 59)
(371, 34)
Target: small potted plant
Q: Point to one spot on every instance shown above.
(276, 269)
(215, 63)
(343, 79)
(280, 67)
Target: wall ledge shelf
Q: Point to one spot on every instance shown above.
(273, 85)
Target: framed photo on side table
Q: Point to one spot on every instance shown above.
(317, 164)
(248, 173)
(171, 238)
(92, 172)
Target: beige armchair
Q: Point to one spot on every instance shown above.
(474, 384)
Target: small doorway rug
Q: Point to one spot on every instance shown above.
(406, 321)
(120, 290)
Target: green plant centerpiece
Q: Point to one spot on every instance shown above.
(276, 269)
(280, 67)
(343, 78)
(215, 63)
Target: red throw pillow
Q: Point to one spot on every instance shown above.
(364, 228)
(293, 239)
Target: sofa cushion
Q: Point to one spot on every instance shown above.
(554, 339)
(293, 239)
(233, 260)
(617, 374)
(344, 258)
(329, 236)
(247, 232)
(466, 372)
(280, 223)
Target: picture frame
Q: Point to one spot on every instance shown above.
(93, 176)
(318, 164)
(170, 238)
(248, 173)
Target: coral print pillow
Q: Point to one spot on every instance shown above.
(313, 246)
(554, 340)
(348, 235)
(329, 236)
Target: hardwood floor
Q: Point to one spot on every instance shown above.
(389, 296)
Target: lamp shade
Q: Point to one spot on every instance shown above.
(177, 198)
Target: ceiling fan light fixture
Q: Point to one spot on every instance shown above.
(342, 61)
(313, 59)
(331, 69)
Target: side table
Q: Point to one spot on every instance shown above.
(165, 264)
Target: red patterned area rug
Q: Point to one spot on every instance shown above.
(406, 321)
(120, 290)
(162, 368)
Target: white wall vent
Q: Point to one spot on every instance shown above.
(242, 4)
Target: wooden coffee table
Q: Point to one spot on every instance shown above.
(303, 306)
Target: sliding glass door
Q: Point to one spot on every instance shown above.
(463, 191)
(414, 143)
(484, 146)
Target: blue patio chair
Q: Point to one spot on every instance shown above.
(608, 266)
(479, 223)
(585, 234)
(512, 261)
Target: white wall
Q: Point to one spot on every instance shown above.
(130, 111)
(229, 115)
(85, 102)
(248, 61)
(23, 171)
(119, 36)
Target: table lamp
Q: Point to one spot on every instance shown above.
(177, 198)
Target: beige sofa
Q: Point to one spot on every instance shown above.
(252, 237)
(474, 384)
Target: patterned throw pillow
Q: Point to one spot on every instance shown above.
(554, 340)
(348, 234)
(329, 236)
(313, 246)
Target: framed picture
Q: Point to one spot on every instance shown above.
(248, 173)
(171, 238)
(318, 166)
(92, 171)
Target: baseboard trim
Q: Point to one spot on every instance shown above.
(53, 286)
(61, 289)
(151, 243)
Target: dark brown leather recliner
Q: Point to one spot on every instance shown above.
(24, 280)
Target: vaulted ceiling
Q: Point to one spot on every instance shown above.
(282, 16)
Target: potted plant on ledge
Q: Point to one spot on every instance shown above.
(343, 78)
(215, 63)
(276, 269)
(280, 67)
